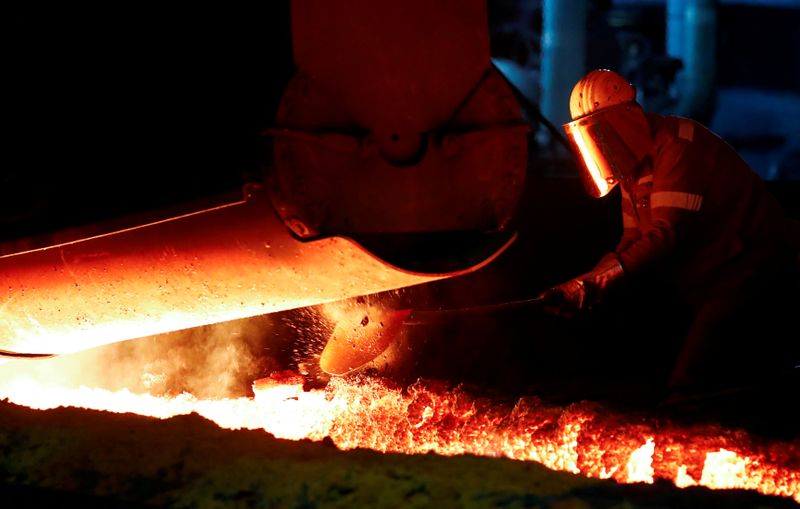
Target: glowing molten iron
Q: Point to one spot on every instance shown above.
(427, 417)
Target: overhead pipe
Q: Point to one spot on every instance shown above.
(691, 37)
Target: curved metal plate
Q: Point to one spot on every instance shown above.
(470, 175)
(224, 263)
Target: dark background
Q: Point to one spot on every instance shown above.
(116, 110)
(111, 111)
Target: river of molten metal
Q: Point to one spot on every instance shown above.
(583, 438)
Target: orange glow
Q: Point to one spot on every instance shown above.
(591, 159)
(360, 412)
(361, 333)
(225, 263)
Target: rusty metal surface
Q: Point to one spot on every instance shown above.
(393, 66)
(224, 263)
(395, 122)
(467, 175)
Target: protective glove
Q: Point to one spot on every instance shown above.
(586, 291)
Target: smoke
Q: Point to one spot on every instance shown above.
(214, 361)
(210, 362)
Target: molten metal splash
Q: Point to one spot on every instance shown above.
(428, 417)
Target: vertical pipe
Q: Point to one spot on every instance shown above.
(563, 55)
(691, 37)
(675, 27)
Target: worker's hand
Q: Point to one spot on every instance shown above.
(566, 300)
(584, 292)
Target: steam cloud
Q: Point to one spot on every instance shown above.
(214, 361)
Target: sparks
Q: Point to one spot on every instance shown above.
(361, 412)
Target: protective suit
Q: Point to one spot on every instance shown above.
(694, 215)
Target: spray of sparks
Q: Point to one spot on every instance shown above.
(426, 417)
(161, 378)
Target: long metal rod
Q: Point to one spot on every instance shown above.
(427, 315)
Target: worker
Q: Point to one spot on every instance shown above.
(694, 215)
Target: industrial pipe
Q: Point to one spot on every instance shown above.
(563, 55)
(691, 37)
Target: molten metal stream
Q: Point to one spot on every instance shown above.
(426, 417)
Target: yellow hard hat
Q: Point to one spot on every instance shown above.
(598, 90)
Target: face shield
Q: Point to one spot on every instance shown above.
(606, 145)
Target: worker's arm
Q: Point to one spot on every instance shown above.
(680, 176)
(630, 225)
